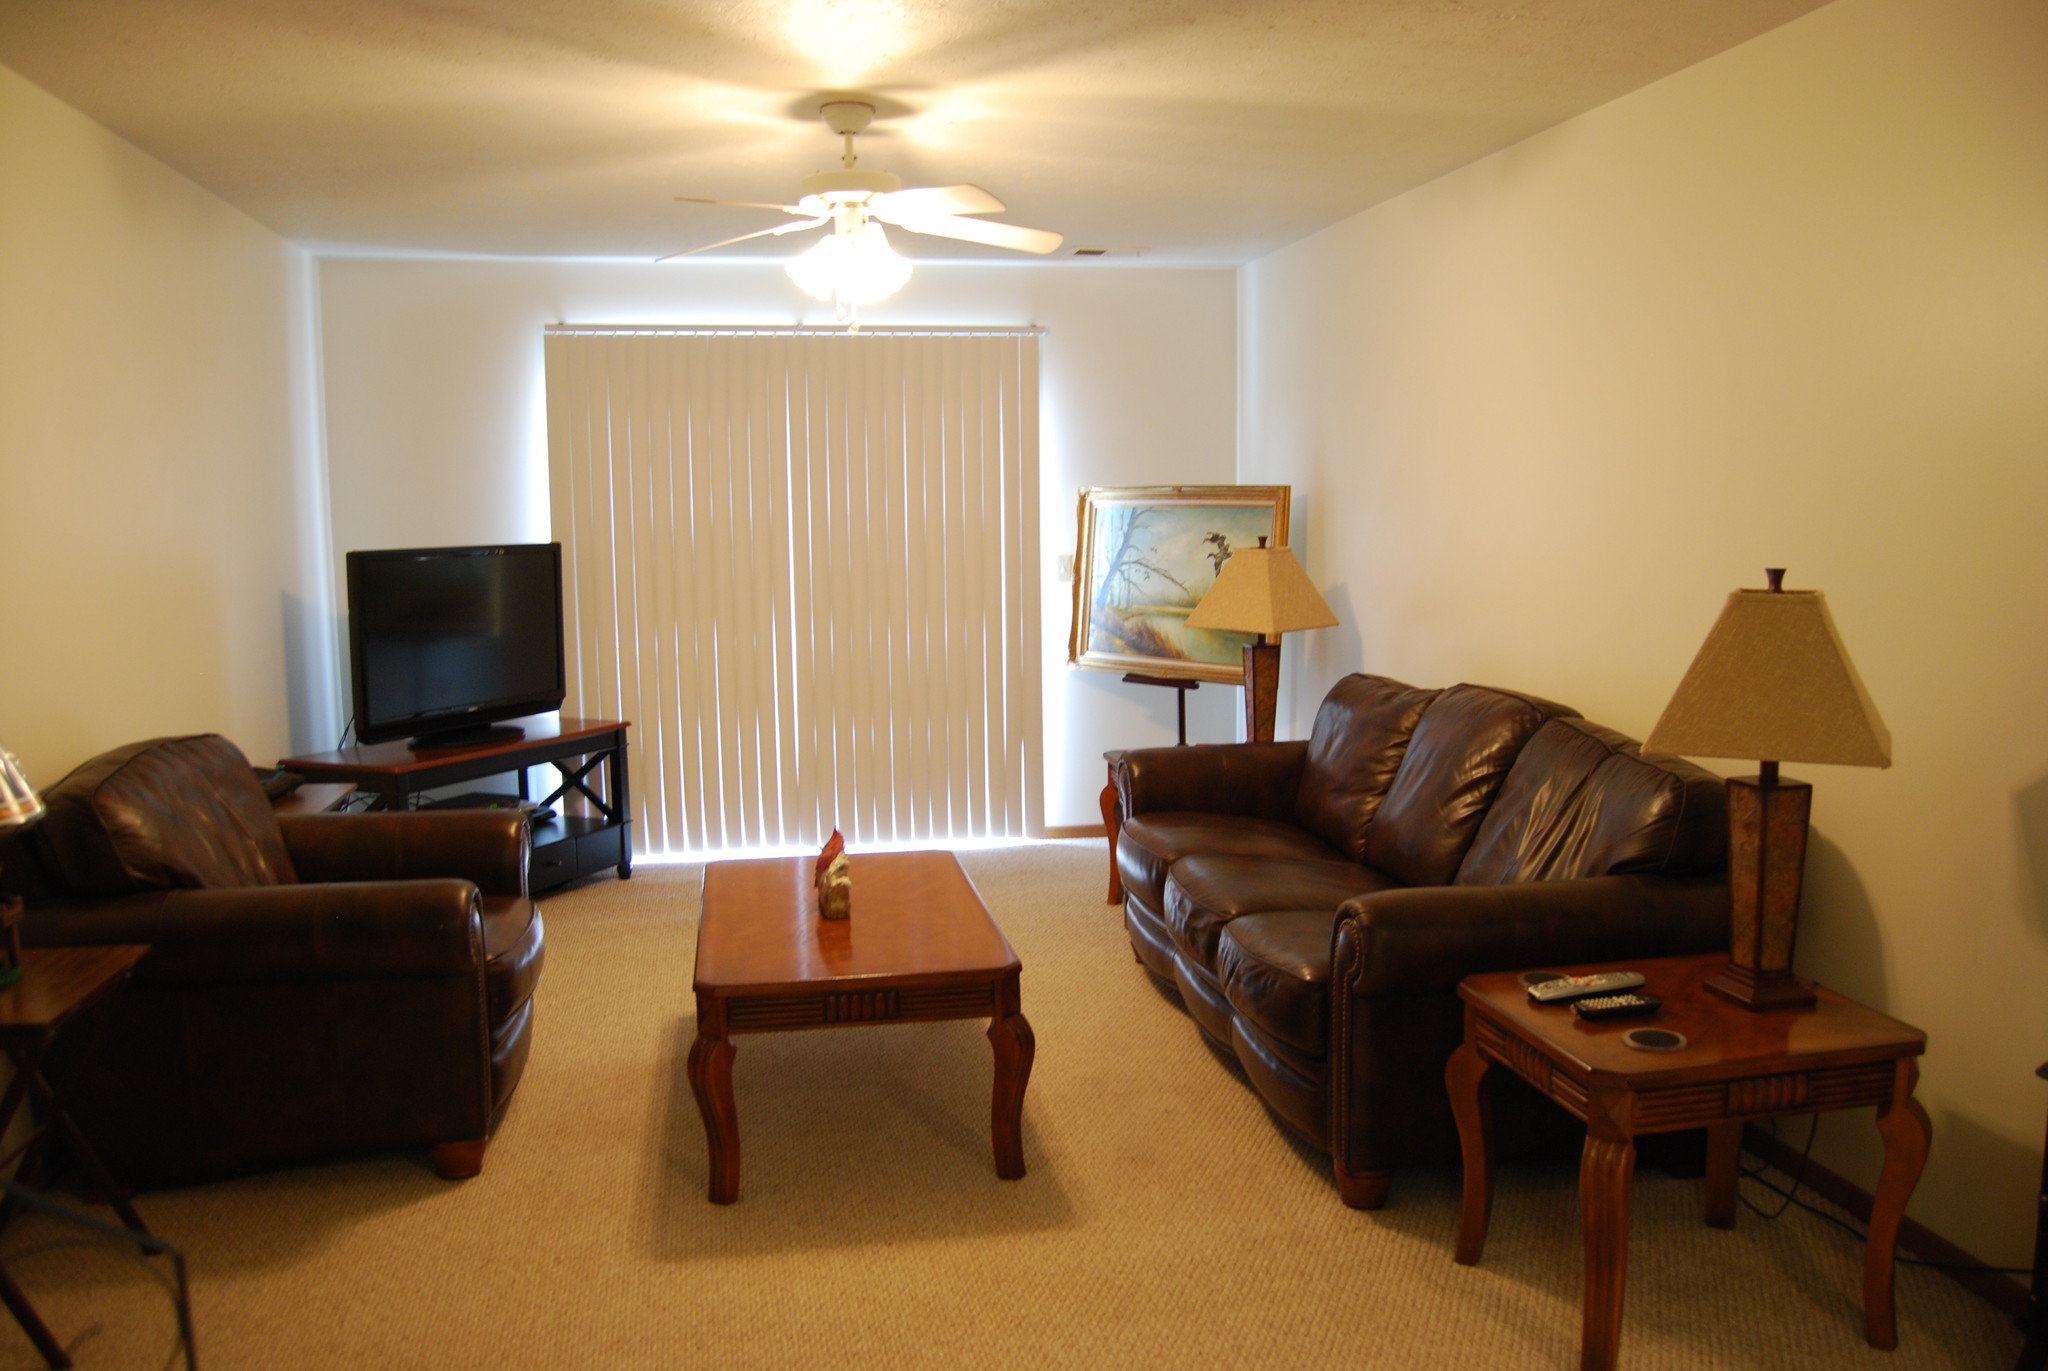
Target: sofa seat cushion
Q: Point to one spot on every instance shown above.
(1275, 970)
(513, 951)
(1206, 891)
(1151, 843)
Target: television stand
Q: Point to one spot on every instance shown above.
(565, 847)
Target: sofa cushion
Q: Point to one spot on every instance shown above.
(1151, 843)
(1582, 800)
(1275, 970)
(1355, 749)
(1467, 740)
(1206, 891)
(166, 814)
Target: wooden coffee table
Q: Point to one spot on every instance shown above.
(1738, 1064)
(919, 947)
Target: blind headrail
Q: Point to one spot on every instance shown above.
(791, 331)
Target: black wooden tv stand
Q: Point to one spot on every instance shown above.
(566, 846)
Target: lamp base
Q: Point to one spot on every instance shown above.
(1761, 989)
(1261, 689)
(1767, 820)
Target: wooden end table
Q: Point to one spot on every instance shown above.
(920, 947)
(56, 983)
(1738, 1065)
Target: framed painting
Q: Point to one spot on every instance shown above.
(1146, 556)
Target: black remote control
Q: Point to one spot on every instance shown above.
(1615, 1006)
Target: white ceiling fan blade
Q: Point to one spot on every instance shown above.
(779, 229)
(983, 231)
(926, 201)
(743, 204)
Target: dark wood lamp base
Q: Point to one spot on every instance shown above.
(1766, 859)
(1261, 688)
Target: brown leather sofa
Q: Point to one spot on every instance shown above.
(1316, 903)
(317, 985)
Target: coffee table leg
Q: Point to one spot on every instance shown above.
(711, 1081)
(1606, 1168)
(1462, 1079)
(1906, 1132)
(1010, 1035)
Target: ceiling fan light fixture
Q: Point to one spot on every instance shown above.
(857, 267)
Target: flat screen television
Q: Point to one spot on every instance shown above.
(446, 641)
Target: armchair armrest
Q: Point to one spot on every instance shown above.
(366, 930)
(487, 846)
(1425, 939)
(1258, 780)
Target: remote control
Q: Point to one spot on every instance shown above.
(1614, 1006)
(1578, 987)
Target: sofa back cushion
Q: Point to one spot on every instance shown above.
(1361, 734)
(1582, 800)
(1466, 741)
(170, 813)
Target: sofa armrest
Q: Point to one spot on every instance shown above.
(488, 846)
(1259, 780)
(369, 930)
(1425, 939)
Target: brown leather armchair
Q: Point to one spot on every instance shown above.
(317, 985)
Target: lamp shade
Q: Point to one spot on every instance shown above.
(1262, 590)
(19, 803)
(1773, 682)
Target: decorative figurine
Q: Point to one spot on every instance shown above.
(834, 878)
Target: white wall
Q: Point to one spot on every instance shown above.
(1788, 307)
(150, 467)
(436, 432)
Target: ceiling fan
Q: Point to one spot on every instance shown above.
(855, 265)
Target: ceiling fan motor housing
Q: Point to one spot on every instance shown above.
(847, 116)
(838, 187)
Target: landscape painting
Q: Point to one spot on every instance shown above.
(1146, 556)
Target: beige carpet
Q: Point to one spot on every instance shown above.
(1165, 1221)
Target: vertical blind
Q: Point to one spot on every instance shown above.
(800, 563)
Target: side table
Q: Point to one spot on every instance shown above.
(1738, 1064)
(56, 984)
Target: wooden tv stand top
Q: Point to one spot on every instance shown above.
(545, 732)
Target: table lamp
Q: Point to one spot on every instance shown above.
(1772, 681)
(19, 804)
(1261, 590)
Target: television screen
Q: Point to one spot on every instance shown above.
(454, 638)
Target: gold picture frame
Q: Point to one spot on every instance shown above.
(1144, 557)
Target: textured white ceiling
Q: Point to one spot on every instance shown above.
(1195, 130)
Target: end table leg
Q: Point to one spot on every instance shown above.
(1724, 1165)
(1462, 1079)
(1906, 1132)
(1605, 1170)
(1112, 824)
(1010, 1035)
(711, 1082)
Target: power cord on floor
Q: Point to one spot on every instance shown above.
(1790, 1196)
